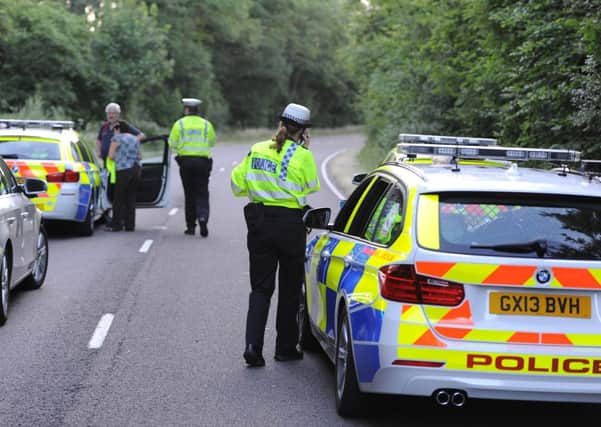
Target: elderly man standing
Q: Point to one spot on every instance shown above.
(103, 143)
(105, 134)
(193, 137)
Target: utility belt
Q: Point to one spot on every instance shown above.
(280, 211)
(255, 214)
(194, 161)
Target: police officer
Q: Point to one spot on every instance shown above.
(193, 137)
(276, 175)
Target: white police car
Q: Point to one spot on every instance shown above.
(53, 150)
(453, 271)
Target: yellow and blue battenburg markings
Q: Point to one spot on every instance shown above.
(365, 319)
(84, 193)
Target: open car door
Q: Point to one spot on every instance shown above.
(153, 188)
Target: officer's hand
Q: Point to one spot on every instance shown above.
(307, 139)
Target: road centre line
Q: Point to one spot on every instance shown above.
(324, 165)
(101, 331)
(145, 246)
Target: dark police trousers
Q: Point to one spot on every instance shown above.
(195, 172)
(275, 245)
(124, 203)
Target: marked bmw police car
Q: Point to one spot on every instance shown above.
(453, 273)
(77, 185)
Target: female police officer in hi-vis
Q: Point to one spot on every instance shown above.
(276, 175)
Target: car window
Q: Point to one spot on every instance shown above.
(25, 149)
(373, 195)
(7, 182)
(521, 225)
(385, 224)
(349, 205)
(75, 153)
(85, 154)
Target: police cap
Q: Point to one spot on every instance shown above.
(297, 114)
(191, 102)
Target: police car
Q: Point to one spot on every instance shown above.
(77, 185)
(456, 270)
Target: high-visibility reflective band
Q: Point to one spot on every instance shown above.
(274, 181)
(51, 124)
(265, 195)
(438, 139)
(491, 153)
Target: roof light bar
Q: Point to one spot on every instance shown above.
(438, 139)
(52, 124)
(491, 152)
(592, 167)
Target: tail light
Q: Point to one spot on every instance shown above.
(399, 282)
(66, 176)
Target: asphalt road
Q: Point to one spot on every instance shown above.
(172, 354)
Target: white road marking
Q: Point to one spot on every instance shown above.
(159, 227)
(173, 211)
(324, 165)
(101, 331)
(145, 246)
(221, 169)
(235, 162)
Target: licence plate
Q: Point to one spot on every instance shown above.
(529, 304)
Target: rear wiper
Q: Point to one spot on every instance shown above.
(539, 246)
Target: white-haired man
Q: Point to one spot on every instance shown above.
(103, 142)
(105, 134)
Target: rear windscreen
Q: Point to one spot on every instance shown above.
(528, 225)
(32, 150)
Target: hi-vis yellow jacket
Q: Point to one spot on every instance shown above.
(192, 136)
(276, 179)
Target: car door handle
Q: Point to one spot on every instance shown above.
(326, 254)
(348, 260)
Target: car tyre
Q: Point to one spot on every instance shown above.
(4, 289)
(36, 278)
(306, 338)
(349, 399)
(86, 228)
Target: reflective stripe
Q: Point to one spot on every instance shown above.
(311, 185)
(264, 195)
(273, 180)
(235, 188)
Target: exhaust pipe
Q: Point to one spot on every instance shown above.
(446, 397)
(442, 397)
(458, 398)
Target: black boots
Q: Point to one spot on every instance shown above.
(288, 355)
(253, 356)
(204, 231)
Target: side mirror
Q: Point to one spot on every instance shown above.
(317, 218)
(358, 177)
(34, 186)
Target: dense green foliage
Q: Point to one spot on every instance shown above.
(246, 59)
(526, 72)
